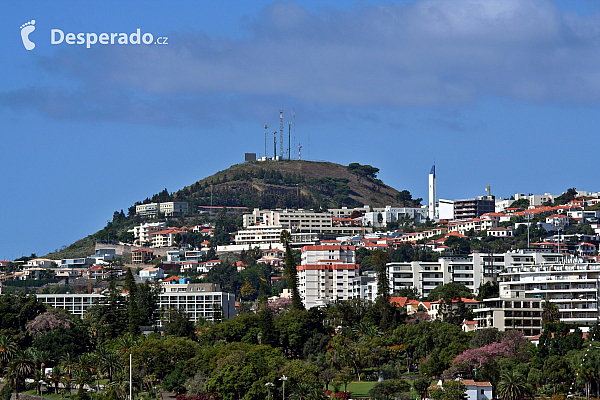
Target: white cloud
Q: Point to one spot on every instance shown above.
(424, 54)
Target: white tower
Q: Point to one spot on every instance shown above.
(431, 206)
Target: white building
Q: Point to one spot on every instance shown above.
(152, 273)
(76, 304)
(142, 234)
(168, 209)
(257, 235)
(572, 286)
(445, 209)
(393, 214)
(326, 273)
(198, 300)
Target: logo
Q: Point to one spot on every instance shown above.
(26, 29)
(89, 39)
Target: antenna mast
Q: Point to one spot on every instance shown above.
(294, 123)
(275, 145)
(266, 141)
(289, 140)
(299, 151)
(281, 134)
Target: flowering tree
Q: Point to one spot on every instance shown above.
(47, 322)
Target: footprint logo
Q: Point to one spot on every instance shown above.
(26, 29)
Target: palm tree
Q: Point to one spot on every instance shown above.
(301, 391)
(512, 386)
(68, 364)
(37, 357)
(88, 362)
(8, 349)
(110, 362)
(20, 368)
(56, 377)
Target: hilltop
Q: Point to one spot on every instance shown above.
(266, 185)
(298, 184)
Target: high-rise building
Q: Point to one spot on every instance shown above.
(326, 274)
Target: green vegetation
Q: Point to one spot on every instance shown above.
(267, 185)
(345, 347)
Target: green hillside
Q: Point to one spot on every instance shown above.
(281, 184)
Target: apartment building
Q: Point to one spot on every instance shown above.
(325, 274)
(364, 287)
(473, 208)
(256, 235)
(166, 238)
(425, 276)
(142, 234)
(572, 286)
(393, 214)
(307, 221)
(76, 304)
(472, 270)
(200, 300)
(168, 209)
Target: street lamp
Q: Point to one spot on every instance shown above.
(283, 378)
(528, 217)
(559, 224)
(269, 385)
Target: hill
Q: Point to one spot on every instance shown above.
(281, 184)
(298, 184)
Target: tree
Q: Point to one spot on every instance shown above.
(550, 313)
(177, 323)
(291, 273)
(389, 388)
(8, 350)
(421, 385)
(451, 390)
(379, 260)
(512, 386)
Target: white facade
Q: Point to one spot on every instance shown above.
(152, 273)
(445, 209)
(168, 209)
(326, 274)
(198, 300)
(76, 304)
(143, 233)
(260, 235)
(393, 214)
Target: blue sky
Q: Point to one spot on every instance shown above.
(501, 92)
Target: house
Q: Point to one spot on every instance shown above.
(469, 326)
(477, 390)
(500, 232)
(587, 249)
(152, 273)
(141, 256)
